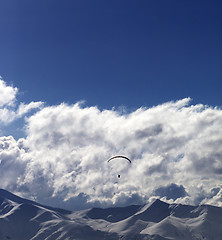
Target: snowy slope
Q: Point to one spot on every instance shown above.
(25, 220)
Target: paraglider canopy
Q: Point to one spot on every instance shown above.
(119, 156)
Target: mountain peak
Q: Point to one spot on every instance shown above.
(157, 201)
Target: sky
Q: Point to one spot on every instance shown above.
(82, 81)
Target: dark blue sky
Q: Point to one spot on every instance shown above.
(112, 53)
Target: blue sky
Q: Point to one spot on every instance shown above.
(150, 73)
(113, 53)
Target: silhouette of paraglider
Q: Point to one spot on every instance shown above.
(119, 156)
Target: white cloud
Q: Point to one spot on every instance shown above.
(9, 111)
(7, 94)
(25, 108)
(12, 162)
(63, 159)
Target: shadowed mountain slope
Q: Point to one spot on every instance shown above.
(22, 219)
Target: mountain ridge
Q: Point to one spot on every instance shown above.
(23, 219)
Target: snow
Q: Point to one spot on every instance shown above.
(22, 219)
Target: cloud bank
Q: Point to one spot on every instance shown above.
(175, 149)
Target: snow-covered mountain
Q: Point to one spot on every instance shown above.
(22, 219)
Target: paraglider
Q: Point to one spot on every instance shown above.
(119, 156)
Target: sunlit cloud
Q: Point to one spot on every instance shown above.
(10, 110)
(62, 161)
(7, 94)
